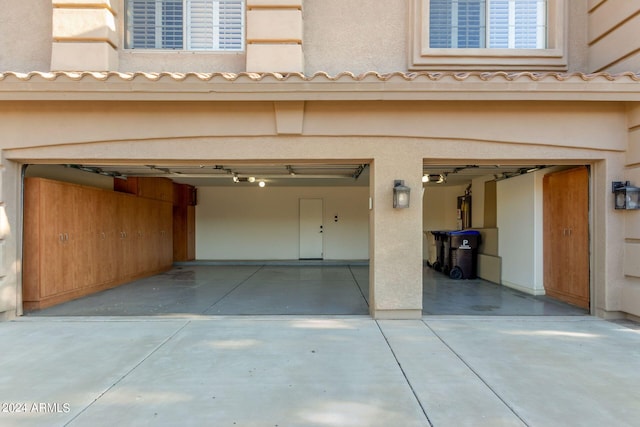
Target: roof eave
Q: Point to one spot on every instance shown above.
(445, 86)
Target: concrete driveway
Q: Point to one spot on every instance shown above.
(319, 371)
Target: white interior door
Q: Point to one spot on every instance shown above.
(311, 229)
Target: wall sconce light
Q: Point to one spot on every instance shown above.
(626, 195)
(401, 196)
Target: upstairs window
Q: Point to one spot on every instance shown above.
(492, 35)
(195, 25)
(497, 24)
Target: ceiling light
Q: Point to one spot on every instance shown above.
(252, 179)
(261, 184)
(235, 178)
(436, 178)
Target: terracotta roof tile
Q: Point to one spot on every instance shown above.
(318, 77)
(399, 86)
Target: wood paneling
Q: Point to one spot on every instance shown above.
(184, 220)
(566, 235)
(147, 187)
(490, 204)
(191, 232)
(79, 240)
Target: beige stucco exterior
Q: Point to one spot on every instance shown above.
(340, 89)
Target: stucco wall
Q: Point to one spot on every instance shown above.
(568, 125)
(263, 223)
(631, 289)
(355, 35)
(25, 35)
(614, 44)
(181, 62)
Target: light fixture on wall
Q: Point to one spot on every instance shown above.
(401, 194)
(626, 196)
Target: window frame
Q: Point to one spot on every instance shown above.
(187, 41)
(552, 58)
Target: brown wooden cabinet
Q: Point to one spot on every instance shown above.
(60, 237)
(147, 187)
(79, 240)
(566, 235)
(104, 235)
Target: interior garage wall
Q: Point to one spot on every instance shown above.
(519, 218)
(253, 223)
(439, 210)
(478, 201)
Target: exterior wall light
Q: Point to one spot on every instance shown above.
(401, 195)
(626, 196)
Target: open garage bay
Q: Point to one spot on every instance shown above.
(312, 289)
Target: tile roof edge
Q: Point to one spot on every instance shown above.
(320, 76)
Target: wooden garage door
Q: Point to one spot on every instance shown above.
(566, 236)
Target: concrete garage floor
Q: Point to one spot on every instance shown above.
(270, 289)
(157, 352)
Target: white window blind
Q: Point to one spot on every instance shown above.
(516, 24)
(211, 25)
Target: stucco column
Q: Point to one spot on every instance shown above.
(274, 36)
(10, 249)
(395, 283)
(84, 36)
(631, 291)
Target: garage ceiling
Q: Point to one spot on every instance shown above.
(450, 175)
(223, 174)
(298, 174)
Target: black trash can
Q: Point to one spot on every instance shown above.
(461, 262)
(440, 237)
